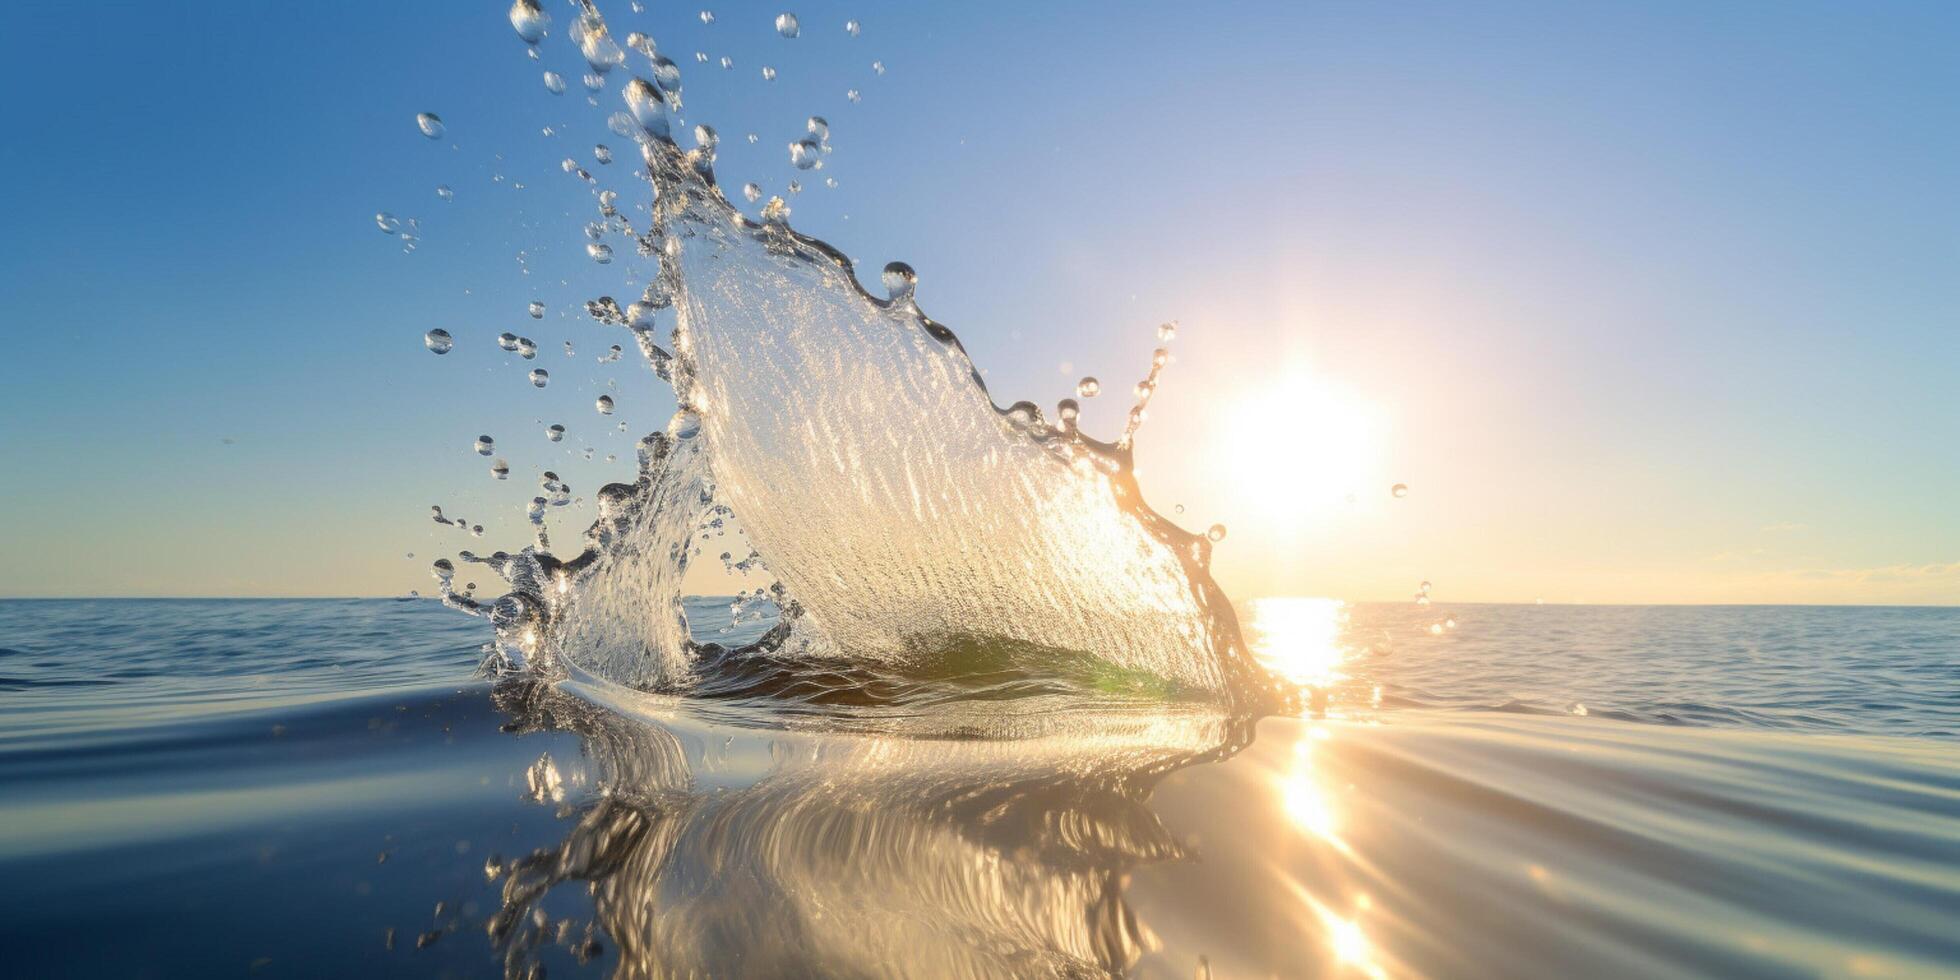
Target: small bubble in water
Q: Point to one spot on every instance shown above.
(540, 377)
(1088, 388)
(852, 27)
(529, 20)
(526, 348)
(707, 16)
(485, 445)
(537, 309)
(500, 469)
(752, 191)
(1167, 332)
(900, 280)
(602, 153)
(507, 341)
(430, 124)
(438, 340)
(388, 223)
(1399, 490)
(443, 191)
(1216, 532)
(787, 26)
(803, 153)
(604, 405)
(600, 252)
(554, 83)
(555, 433)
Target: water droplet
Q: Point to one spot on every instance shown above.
(1399, 490)
(507, 341)
(526, 348)
(388, 223)
(500, 470)
(852, 27)
(727, 62)
(604, 405)
(485, 445)
(1068, 411)
(438, 340)
(1422, 600)
(878, 67)
(600, 252)
(596, 43)
(540, 377)
(1167, 332)
(853, 95)
(1424, 586)
(443, 191)
(900, 281)
(819, 127)
(667, 75)
(537, 309)
(1450, 623)
(554, 83)
(1436, 629)
(648, 106)
(795, 187)
(787, 26)
(707, 16)
(776, 212)
(529, 20)
(752, 191)
(1178, 509)
(430, 124)
(1216, 532)
(706, 138)
(803, 153)
(1088, 388)
(768, 73)
(555, 433)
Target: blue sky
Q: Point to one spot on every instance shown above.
(1647, 302)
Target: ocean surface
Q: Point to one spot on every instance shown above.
(326, 788)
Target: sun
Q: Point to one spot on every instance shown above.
(1299, 450)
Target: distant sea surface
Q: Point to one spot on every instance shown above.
(326, 788)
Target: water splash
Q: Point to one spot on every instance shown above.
(908, 525)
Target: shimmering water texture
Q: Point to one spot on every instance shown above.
(315, 787)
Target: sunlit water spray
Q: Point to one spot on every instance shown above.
(908, 526)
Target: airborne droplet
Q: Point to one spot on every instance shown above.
(507, 341)
(803, 153)
(819, 127)
(1216, 532)
(604, 405)
(900, 281)
(529, 20)
(430, 124)
(600, 252)
(707, 16)
(768, 73)
(787, 26)
(752, 191)
(1399, 490)
(1167, 332)
(500, 469)
(602, 153)
(388, 223)
(540, 377)
(485, 445)
(443, 191)
(1088, 388)
(852, 27)
(526, 348)
(554, 83)
(537, 310)
(438, 340)
(555, 433)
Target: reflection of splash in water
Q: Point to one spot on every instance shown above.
(909, 523)
(870, 856)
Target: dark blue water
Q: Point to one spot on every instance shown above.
(324, 788)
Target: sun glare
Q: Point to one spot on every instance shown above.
(1301, 450)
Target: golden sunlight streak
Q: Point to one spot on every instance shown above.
(1299, 638)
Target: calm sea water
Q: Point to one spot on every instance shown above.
(323, 788)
